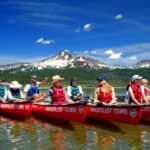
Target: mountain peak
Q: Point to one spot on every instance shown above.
(143, 64)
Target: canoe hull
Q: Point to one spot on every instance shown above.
(70, 112)
(129, 115)
(146, 112)
(16, 109)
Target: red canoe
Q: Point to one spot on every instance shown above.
(146, 112)
(122, 113)
(63, 112)
(22, 109)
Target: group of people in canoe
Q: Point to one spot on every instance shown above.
(137, 91)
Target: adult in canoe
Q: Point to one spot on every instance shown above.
(146, 90)
(74, 91)
(135, 94)
(57, 92)
(31, 90)
(104, 92)
(3, 91)
(15, 93)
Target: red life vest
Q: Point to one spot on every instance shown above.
(137, 91)
(58, 96)
(105, 97)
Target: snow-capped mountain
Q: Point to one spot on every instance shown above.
(67, 59)
(143, 64)
(64, 59)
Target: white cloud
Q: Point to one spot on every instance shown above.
(119, 16)
(115, 56)
(109, 52)
(87, 27)
(44, 42)
(39, 40)
(93, 52)
(133, 57)
(86, 52)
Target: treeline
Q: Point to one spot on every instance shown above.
(87, 77)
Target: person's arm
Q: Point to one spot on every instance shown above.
(143, 95)
(80, 90)
(26, 89)
(113, 96)
(43, 82)
(5, 96)
(69, 91)
(131, 95)
(22, 95)
(68, 100)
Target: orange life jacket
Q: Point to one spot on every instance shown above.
(105, 97)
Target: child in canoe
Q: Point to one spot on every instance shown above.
(104, 92)
(135, 94)
(74, 91)
(146, 90)
(31, 90)
(3, 91)
(15, 93)
(57, 92)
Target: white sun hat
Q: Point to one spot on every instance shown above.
(136, 77)
(15, 84)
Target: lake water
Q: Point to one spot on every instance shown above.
(48, 134)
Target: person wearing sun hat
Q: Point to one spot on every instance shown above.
(135, 94)
(57, 92)
(31, 90)
(3, 91)
(15, 93)
(104, 92)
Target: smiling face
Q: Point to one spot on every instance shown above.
(137, 81)
(33, 80)
(74, 83)
(59, 83)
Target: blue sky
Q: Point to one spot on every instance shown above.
(113, 31)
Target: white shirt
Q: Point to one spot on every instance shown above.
(28, 86)
(10, 97)
(69, 91)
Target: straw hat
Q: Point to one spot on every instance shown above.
(56, 78)
(15, 85)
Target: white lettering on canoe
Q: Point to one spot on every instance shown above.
(101, 110)
(120, 111)
(7, 106)
(20, 107)
(146, 109)
(54, 109)
(71, 109)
